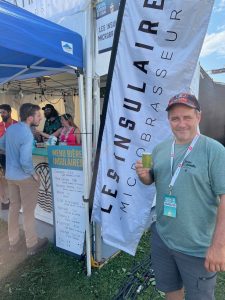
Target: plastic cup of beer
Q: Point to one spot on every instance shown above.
(147, 160)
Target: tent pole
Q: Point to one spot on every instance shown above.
(85, 172)
(90, 36)
(89, 75)
(97, 113)
(96, 87)
(96, 98)
(91, 66)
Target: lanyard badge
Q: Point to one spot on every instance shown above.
(170, 206)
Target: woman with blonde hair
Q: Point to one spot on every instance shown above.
(69, 133)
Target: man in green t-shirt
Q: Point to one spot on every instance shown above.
(188, 238)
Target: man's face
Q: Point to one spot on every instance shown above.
(36, 119)
(48, 112)
(5, 115)
(184, 123)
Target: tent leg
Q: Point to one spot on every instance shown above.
(88, 90)
(96, 98)
(85, 172)
(97, 112)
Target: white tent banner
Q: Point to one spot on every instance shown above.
(157, 53)
(49, 8)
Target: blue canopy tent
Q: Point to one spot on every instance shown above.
(31, 46)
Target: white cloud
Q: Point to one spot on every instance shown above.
(220, 28)
(214, 44)
(220, 7)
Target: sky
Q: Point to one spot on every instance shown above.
(213, 51)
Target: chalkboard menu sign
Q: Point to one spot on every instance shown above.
(65, 163)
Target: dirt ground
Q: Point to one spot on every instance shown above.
(8, 260)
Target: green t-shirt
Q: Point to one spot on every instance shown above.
(201, 180)
(52, 126)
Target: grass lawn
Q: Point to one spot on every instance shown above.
(54, 275)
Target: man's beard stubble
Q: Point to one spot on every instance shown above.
(5, 119)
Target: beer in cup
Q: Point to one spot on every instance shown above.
(147, 160)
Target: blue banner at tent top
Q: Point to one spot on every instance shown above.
(27, 38)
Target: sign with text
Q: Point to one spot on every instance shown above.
(154, 57)
(65, 163)
(106, 15)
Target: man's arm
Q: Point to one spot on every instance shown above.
(215, 257)
(43, 134)
(144, 174)
(26, 161)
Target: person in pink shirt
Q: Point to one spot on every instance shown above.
(69, 133)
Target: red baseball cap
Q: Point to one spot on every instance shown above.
(185, 99)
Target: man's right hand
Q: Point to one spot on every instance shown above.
(143, 173)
